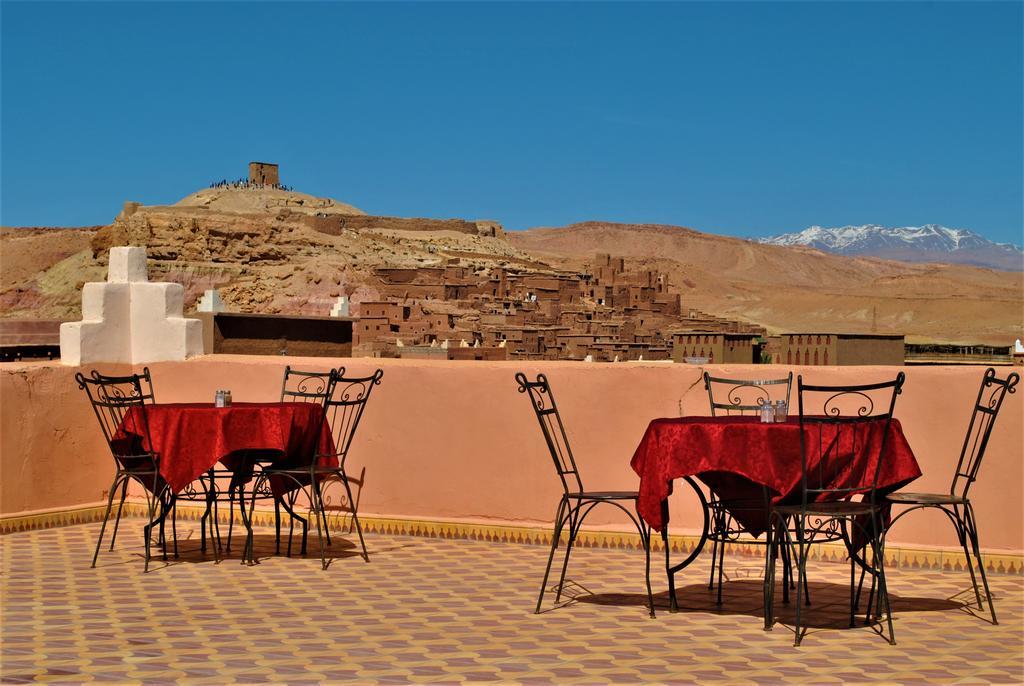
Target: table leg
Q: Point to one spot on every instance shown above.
(670, 569)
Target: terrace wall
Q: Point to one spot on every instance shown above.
(456, 442)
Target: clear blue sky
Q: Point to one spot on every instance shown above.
(744, 119)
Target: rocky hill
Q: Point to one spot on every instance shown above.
(798, 288)
(277, 251)
(267, 250)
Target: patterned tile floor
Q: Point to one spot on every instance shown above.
(441, 611)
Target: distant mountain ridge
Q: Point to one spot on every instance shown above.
(928, 243)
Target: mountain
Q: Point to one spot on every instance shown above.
(799, 288)
(928, 243)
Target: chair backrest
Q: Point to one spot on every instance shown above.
(986, 408)
(745, 396)
(543, 402)
(343, 408)
(119, 403)
(843, 431)
(306, 387)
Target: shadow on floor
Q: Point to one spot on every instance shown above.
(830, 602)
(265, 546)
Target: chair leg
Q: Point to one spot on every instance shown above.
(801, 569)
(231, 515)
(277, 525)
(322, 513)
(573, 530)
(151, 500)
(289, 507)
(204, 521)
(355, 519)
(314, 495)
(968, 560)
(883, 590)
(555, 535)
(800, 537)
(714, 554)
(972, 531)
(248, 556)
(120, 505)
(174, 524)
(782, 552)
(250, 542)
(645, 539)
(721, 571)
(106, 515)
(773, 541)
(854, 591)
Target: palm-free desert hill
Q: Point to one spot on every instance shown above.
(277, 251)
(803, 289)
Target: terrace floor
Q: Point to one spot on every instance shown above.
(444, 611)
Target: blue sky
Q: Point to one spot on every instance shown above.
(734, 118)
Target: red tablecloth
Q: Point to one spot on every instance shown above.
(190, 438)
(737, 456)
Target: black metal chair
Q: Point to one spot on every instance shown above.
(740, 397)
(119, 403)
(839, 435)
(956, 505)
(576, 502)
(296, 386)
(343, 408)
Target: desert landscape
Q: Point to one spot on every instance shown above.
(277, 251)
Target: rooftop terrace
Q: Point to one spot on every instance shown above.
(452, 453)
(458, 611)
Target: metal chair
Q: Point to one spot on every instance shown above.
(740, 397)
(343, 408)
(119, 403)
(576, 502)
(955, 504)
(839, 436)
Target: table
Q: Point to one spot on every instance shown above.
(191, 438)
(738, 457)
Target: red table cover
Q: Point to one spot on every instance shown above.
(190, 438)
(737, 456)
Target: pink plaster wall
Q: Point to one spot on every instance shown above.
(456, 441)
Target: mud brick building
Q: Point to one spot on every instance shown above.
(604, 312)
(840, 349)
(263, 174)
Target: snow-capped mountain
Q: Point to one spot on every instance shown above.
(928, 243)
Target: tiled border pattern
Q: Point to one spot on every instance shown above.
(951, 560)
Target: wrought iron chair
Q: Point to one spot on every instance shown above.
(576, 502)
(119, 403)
(955, 504)
(740, 397)
(343, 408)
(844, 420)
(296, 386)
